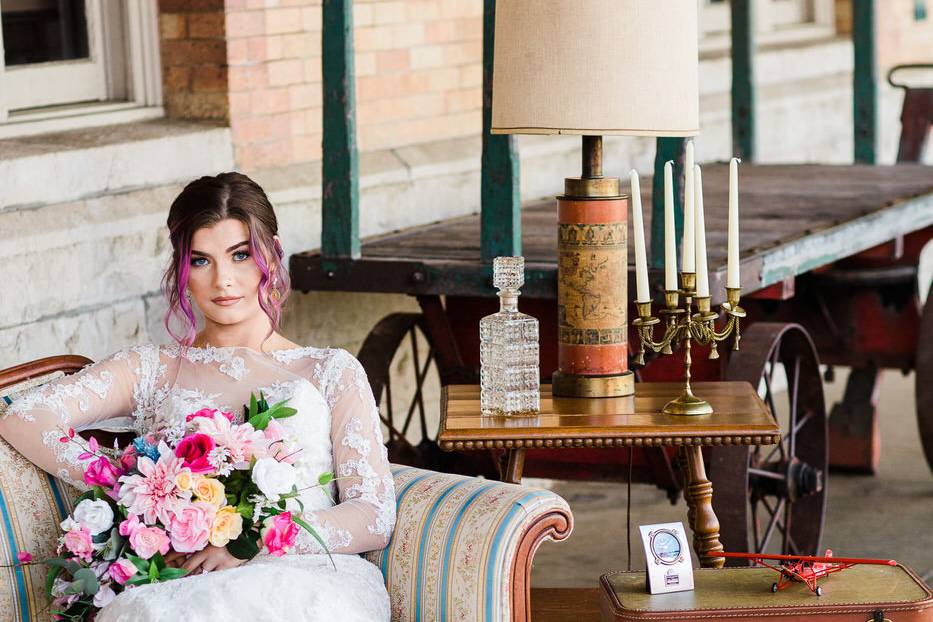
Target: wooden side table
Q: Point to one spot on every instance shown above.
(739, 418)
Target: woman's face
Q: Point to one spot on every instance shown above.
(223, 278)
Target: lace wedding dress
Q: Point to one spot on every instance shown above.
(336, 427)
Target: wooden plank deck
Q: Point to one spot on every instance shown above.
(794, 218)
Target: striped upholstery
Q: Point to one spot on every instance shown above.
(455, 539)
(32, 504)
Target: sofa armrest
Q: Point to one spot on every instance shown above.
(463, 546)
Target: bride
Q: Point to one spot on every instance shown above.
(227, 260)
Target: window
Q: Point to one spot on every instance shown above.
(68, 58)
(776, 21)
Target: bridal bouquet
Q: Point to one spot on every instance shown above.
(205, 481)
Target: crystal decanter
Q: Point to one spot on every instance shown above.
(509, 375)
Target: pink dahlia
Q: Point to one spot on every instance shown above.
(153, 493)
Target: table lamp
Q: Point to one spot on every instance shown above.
(594, 68)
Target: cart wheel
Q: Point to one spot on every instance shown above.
(819, 590)
(924, 379)
(774, 587)
(776, 489)
(398, 356)
(395, 357)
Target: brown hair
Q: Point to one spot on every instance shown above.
(203, 203)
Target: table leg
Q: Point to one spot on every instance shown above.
(511, 465)
(698, 491)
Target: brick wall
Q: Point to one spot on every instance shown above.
(194, 59)
(418, 66)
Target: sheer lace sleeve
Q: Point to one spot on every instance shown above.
(37, 419)
(364, 518)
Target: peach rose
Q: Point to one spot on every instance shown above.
(184, 479)
(228, 525)
(210, 490)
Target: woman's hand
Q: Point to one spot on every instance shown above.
(207, 560)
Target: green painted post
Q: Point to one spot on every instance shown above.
(340, 235)
(743, 79)
(865, 83)
(666, 149)
(500, 206)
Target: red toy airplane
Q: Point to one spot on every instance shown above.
(804, 568)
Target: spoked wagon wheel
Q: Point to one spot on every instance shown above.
(781, 506)
(399, 360)
(924, 378)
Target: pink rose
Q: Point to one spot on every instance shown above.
(128, 459)
(209, 413)
(101, 472)
(193, 450)
(79, 542)
(122, 571)
(147, 541)
(24, 557)
(279, 534)
(191, 526)
(129, 526)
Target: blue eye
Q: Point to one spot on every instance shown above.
(195, 260)
(244, 253)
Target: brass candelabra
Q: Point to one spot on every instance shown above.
(683, 326)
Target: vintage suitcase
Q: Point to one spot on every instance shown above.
(858, 594)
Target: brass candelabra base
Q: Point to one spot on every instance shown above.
(687, 404)
(683, 326)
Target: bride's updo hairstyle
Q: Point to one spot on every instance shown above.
(203, 203)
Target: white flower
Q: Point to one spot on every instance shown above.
(273, 477)
(96, 515)
(103, 596)
(68, 524)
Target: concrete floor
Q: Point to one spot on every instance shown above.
(888, 515)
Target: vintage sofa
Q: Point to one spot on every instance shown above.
(462, 547)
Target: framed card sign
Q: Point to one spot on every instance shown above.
(668, 558)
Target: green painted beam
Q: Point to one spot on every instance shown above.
(743, 79)
(666, 149)
(340, 227)
(500, 206)
(865, 82)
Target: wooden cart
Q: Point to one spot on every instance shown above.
(829, 261)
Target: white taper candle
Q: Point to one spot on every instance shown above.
(641, 262)
(702, 274)
(688, 250)
(732, 268)
(670, 236)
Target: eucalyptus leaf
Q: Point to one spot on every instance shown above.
(85, 581)
(67, 565)
(325, 478)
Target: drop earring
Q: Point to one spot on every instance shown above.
(274, 293)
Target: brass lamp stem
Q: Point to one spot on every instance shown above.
(592, 156)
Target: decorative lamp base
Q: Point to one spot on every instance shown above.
(576, 385)
(687, 404)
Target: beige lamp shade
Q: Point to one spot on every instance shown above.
(596, 67)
